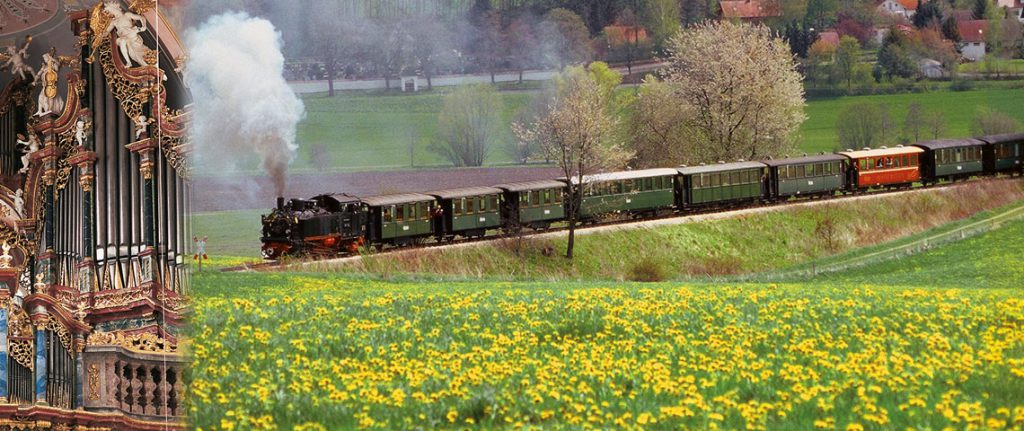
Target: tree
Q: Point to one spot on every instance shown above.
(819, 54)
(735, 89)
(914, 122)
(893, 59)
(566, 38)
(394, 54)
(988, 121)
(847, 57)
(333, 39)
(661, 18)
(431, 45)
(981, 9)
(927, 14)
(467, 124)
(577, 132)
(520, 44)
(631, 44)
(935, 122)
(950, 29)
(800, 38)
(489, 46)
(659, 136)
(862, 125)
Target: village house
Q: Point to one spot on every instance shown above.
(972, 39)
(903, 8)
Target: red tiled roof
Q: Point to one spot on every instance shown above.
(830, 37)
(747, 9)
(910, 5)
(973, 30)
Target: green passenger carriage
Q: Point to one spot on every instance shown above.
(722, 184)
(1005, 153)
(806, 176)
(635, 192)
(399, 219)
(533, 204)
(467, 212)
(951, 158)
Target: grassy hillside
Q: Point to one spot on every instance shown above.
(358, 131)
(746, 244)
(992, 259)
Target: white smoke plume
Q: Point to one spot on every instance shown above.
(243, 105)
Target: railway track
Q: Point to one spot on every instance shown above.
(670, 218)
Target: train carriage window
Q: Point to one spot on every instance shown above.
(819, 169)
(698, 181)
(399, 213)
(457, 206)
(627, 186)
(481, 204)
(470, 205)
(913, 160)
(387, 213)
(535, 198)
(863, 164)
(492, 202)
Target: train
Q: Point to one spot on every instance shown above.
(340, 224)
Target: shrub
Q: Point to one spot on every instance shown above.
(647, 269)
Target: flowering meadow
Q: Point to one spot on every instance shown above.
(311, 352)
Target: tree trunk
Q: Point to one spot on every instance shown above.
(387, 81)
(520, 76)
(430, 85)
(330, 78)
(492, 75)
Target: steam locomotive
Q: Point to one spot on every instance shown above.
(338, 224)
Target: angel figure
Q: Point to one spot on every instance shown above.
(17, 58)
(31, 146)
(49, 100)
(128, 40)
(19, 203)
(81, 132)
(141, 124)
(6, 258)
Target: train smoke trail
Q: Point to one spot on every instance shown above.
(243, 105)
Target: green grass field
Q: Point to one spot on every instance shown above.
(319, 351)
(360, 131)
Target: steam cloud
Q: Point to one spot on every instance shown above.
(243, 105)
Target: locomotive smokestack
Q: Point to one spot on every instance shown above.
(280, 202)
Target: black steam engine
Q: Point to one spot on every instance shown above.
(326, 224)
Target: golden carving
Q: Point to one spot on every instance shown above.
(21, 337)
(61, 332)
(120, 297)
(94, 382)
(98, 22)
(142, 6)
(144, 342)
(123, 89)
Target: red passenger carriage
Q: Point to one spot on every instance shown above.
(884, 167)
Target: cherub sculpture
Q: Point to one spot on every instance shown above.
(6, 258)
(141, 124)
(31, 146)
(128, 40)
(19, 203)
(49, 100)
(81, 132)
(17, 58)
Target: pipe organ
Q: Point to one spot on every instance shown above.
(94, 233)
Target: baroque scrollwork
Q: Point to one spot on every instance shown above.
(20, 336)
(62, 333)
(144, 342)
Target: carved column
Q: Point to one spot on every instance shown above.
(4, 302)
(40, 364)
(79, 347)
(48, 155)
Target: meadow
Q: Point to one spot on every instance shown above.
(316, 352)
(371, 130)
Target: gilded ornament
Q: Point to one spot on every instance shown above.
(145, 342)
(94, 382)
